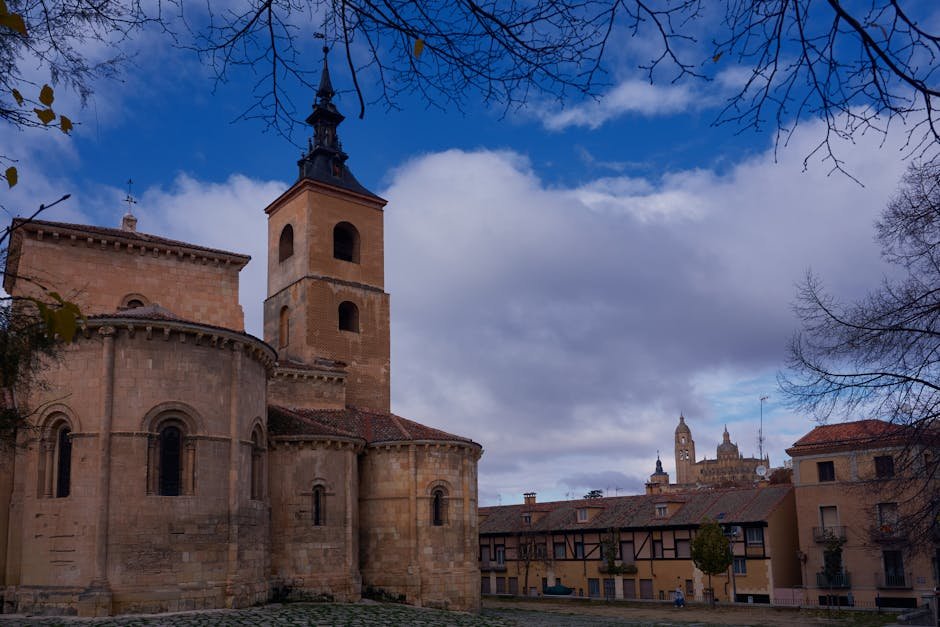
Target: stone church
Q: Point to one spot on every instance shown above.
(177, 462)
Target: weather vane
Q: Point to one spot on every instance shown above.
(129, 199)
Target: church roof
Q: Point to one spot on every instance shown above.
(737, 506)
(113, 234)
(373, 427)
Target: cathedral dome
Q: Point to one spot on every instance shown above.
(727, 448)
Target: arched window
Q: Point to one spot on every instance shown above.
(257, 464)
(438, 507)
(285, 247)
(319, 506)
(133, 301)
(346, 242)
(348, 317)
(170, 461)
(63, 461)
(55, 462)
(283, 327)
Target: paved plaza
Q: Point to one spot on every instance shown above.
(495, 614)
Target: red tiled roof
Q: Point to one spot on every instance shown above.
(726, 506)
(857, 433)
(373, 427)
(133, 236)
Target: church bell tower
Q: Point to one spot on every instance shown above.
(326, 266)
(685, 453)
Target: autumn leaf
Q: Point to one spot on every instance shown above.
(419, 47)
(60, 319)
(46, 96)
(45, 115)
(12, 176)
(14, 22)
(65, 124)
(716, 57)
(18, 97)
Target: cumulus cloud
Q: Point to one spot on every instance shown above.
(565, 329)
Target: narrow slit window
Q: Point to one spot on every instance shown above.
(171, 461)
(319, 506)
(285, 246)
(63, 462)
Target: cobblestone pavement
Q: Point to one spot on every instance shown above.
(378, 614)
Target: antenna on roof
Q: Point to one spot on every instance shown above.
(760, 432)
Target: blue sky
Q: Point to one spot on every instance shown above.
(565, 280)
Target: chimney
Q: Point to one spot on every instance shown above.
(128, 222)
(529, 498)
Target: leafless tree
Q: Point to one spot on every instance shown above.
(880, 357)
(859, 68)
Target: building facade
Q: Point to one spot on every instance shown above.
(639, 547)
(176, 462)
(861, 488)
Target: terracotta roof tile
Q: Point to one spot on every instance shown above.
(737, 506)
(857, 433)
(373, 427)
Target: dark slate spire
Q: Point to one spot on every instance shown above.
(325, 160)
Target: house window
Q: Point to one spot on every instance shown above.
(888, 517)
(348, 317)
(579, 550)
(346, 242)
(594, 587)
(662, 510)
(500, 554)
(319, 506)
(683, 549)
(626, 552)
(540, 551)
(894, 569)
(559, 550)
(658, 549)
(829, 516)
(826, 470)
(884, 466)
(283, 327)
(527, 519)
(285, 245)
(438, 507)
(754, 535)
(740, 566)
(170, 461)
(582, 514)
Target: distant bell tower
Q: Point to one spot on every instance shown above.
(326, 265)
(685, 453)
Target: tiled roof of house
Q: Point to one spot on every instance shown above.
(859, 433)
(122, 234)
(373, 427)
(689, 509)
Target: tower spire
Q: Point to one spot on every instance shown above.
(325, 160)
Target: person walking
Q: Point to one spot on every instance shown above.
(680, 598)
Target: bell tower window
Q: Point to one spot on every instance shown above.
(285, 247)
(346, 242)
(348, 317)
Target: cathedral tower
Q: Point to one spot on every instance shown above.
(685, 453)
(326, 266)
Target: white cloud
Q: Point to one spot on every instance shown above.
(630, 96)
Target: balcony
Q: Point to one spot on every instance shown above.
(893, 580)
(839, 580)
(821, 535)
(492, 565)
(888, 534)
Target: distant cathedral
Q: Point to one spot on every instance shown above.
(728, 469)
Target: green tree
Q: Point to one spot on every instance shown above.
(594, 494)
(711, 551)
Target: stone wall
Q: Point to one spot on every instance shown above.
(98, 277)
(402, 552)
(310, 560)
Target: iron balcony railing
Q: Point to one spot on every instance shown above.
(828, 533)
(893, 580)
(838, 580)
